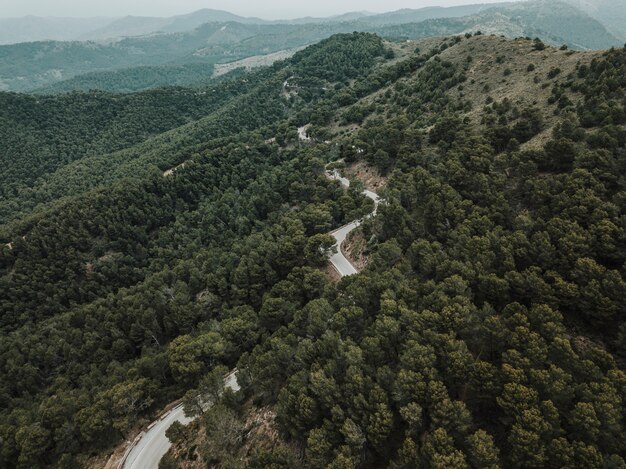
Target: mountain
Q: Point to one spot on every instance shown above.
(554, 22)
(350, 16)
(33, 28)
(33, 65)
(611, 13)
(36, 65)
(140, 26)
(29, 29)
(408, 15)
(25, 67)
(150, 242)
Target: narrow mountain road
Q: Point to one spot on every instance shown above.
(152, 444)
(338, 260)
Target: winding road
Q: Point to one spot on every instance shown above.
(152, 444)
(338, 260)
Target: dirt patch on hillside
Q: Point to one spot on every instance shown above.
(331, 273)
(254, 62)
(354, 248)
(369, 176)
(171, 171)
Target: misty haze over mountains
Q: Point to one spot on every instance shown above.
(135, 53)
(611, 13)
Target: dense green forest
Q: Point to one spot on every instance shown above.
(41, 134)
(70, 337)
(487, 330)
(128, 80)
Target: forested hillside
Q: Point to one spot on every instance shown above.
(153, 241)
(71, 339)
(131, 79)
(554, 22)
(40, 134)
(488, 328)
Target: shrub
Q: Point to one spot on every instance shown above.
(554, 71)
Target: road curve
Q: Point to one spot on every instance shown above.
(153, 444)
(338, 260)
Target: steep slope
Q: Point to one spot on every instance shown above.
(41, 135)
(555, 22)
(164, 151)
(488, 328)
(114, 245)
(486, 331)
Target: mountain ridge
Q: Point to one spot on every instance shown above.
(25, 67)
(607, 13)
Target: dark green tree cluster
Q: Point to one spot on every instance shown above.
(40, 134)
(123, 298)
(134, 79)
(488, 329)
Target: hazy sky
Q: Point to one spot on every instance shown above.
(268, 9)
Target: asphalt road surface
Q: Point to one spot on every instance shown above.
(338, 260)
(153, 445)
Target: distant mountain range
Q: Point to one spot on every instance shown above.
(209, 37)
(32, 28)
(611, 13)
(35, 28)
(131, 26)
(408, 15)
(555, 22)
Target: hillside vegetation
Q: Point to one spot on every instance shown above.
(490, 318)
(151, 241)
